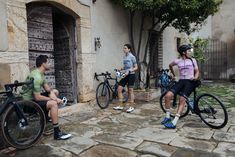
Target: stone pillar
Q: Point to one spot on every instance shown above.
(5, 75)
(3, 26)
(85, 77)
(14, 60)
(85, 61)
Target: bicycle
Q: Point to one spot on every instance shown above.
(207, 106)
(22, 122)
(105, 89)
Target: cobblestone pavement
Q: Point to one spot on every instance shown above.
(110, 133)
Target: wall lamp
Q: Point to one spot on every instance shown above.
(97, 43)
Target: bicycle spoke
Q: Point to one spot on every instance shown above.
(174, 107)
(212, 111)
(102, 96)
(16, 132)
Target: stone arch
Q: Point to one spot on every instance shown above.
(81, 14)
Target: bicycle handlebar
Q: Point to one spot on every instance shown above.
(163, 70)
(102, 74)
(17, 84)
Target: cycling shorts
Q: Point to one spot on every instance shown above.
(129, 80)
(183, 87)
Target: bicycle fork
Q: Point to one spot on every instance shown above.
(23, 122)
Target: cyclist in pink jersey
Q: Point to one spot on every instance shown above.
(188, 72)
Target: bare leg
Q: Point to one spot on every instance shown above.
(181, 105)
(120, 95)
(53, 108)
(131, 96)
(168, 97)
(120, 104)
(180, 109)
(54, 94)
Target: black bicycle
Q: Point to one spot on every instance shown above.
(22, 122)
(105, 91)
(207, 106)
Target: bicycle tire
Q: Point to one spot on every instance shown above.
(102, 95)
(207, 107)
(174, 107)
(23, 137)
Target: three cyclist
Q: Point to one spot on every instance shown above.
(188, 73)
(129, 68)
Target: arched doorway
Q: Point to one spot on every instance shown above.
(52, 32)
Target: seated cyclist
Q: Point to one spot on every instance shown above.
(188, 71)
(47, 100)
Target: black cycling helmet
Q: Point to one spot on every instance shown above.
(184, 48)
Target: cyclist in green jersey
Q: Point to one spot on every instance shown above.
(48, 100)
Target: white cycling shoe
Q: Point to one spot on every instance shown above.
(130, 109)
(118, 108)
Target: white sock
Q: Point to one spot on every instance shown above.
(168, 113)
(177, 116)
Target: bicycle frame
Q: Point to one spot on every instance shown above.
(106, 81)
(11, 100)
(193, 110)
(106, 78)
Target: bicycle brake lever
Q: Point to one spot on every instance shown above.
(95, 77)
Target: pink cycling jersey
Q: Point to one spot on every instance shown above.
(186, 67)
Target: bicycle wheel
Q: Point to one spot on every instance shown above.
(18, 136)
(212, 111)
(174, 106)
(102, 95)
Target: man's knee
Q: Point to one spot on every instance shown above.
(52, 104)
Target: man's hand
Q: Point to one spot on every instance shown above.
(58, 100)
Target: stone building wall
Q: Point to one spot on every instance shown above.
(14, 56)
(99, 19)
(221, 27)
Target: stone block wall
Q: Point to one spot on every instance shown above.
(14, 55)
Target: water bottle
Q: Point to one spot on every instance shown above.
(118, 74)
(191, 104)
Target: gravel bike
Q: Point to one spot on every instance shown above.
(22, 122)
(105, 91)
(207, 106)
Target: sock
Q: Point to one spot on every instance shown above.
(56, 128)
(168, 113)
(120, 100)
(177, 116)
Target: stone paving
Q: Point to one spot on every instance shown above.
(110, 133)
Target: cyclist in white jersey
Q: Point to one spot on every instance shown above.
(129, 68)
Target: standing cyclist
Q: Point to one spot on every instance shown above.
(47, 100)
(129, 68)
(188, 71)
